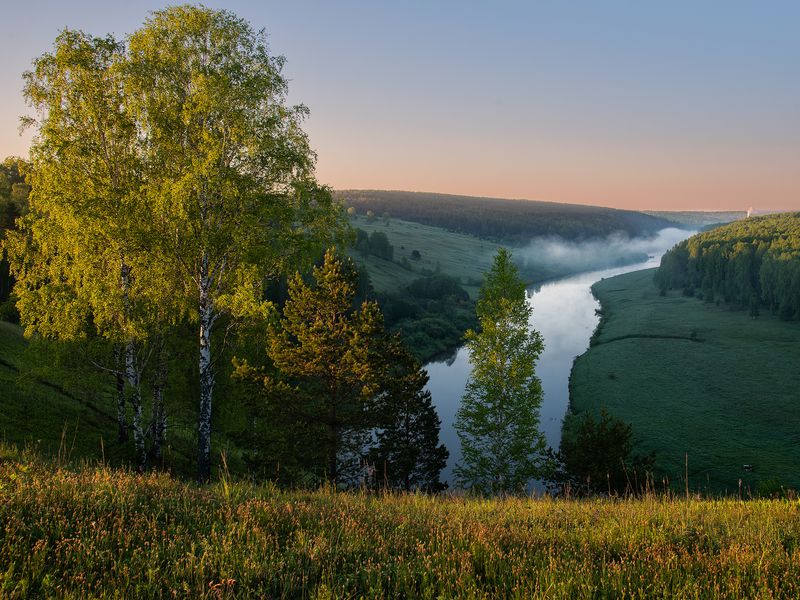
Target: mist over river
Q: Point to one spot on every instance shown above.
(564, 313)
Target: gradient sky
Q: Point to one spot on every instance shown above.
(670, 105)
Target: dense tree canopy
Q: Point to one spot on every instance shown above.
(750, 263)
(338, 380)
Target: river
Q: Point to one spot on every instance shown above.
(564, 313)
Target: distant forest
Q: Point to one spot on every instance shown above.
(699, 219)
(509, 221)
(754, 263)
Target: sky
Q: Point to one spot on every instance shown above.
(680, 105)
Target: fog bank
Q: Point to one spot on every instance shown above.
(558, 254)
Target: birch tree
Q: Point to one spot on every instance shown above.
(230, 178)
(498, 420)
(78, 254)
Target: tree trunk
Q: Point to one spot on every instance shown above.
(134, 381)
(333, 441)
(159, 418)
(122, 419)
(206, 313)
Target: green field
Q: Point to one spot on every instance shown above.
(91, 531)
(458, 255)
(461, 256)
(699, 379)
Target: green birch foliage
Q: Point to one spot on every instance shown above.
(229, 171)
(80, 254)
(498, 420)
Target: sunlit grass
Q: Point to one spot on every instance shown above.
(93, 531)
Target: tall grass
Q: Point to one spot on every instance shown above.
(96, 532)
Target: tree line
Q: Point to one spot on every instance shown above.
(509, 221)
(754, 263)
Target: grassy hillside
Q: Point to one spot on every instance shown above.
(41, 411)
(57, 403)
(97, 532)
(434, 326)
(506, 221)
(699, 378)
(462, 256)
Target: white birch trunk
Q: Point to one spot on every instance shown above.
(133, 376)
(134, 381)
(206, 314)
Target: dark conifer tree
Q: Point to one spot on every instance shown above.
(408, 455)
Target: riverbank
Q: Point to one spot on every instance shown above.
(564, 313)
(94, 531)
(699, 379)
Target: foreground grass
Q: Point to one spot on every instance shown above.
(96, 532)
(698, 379)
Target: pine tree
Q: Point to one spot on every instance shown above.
(498, 420)
(408, 455)
(329, 352)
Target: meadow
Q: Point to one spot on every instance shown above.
(90, 531)
(698, 380)
(458, 255)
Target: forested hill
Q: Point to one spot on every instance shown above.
(699, 219)
(509, 221)
(755, 263)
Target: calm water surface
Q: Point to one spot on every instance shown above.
(564, 313)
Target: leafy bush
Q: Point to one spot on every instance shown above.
(437, 286)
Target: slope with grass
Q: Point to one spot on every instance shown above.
(45, 413)
(52, 400)
(462, 256)
(696, 378)
(96, 532)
